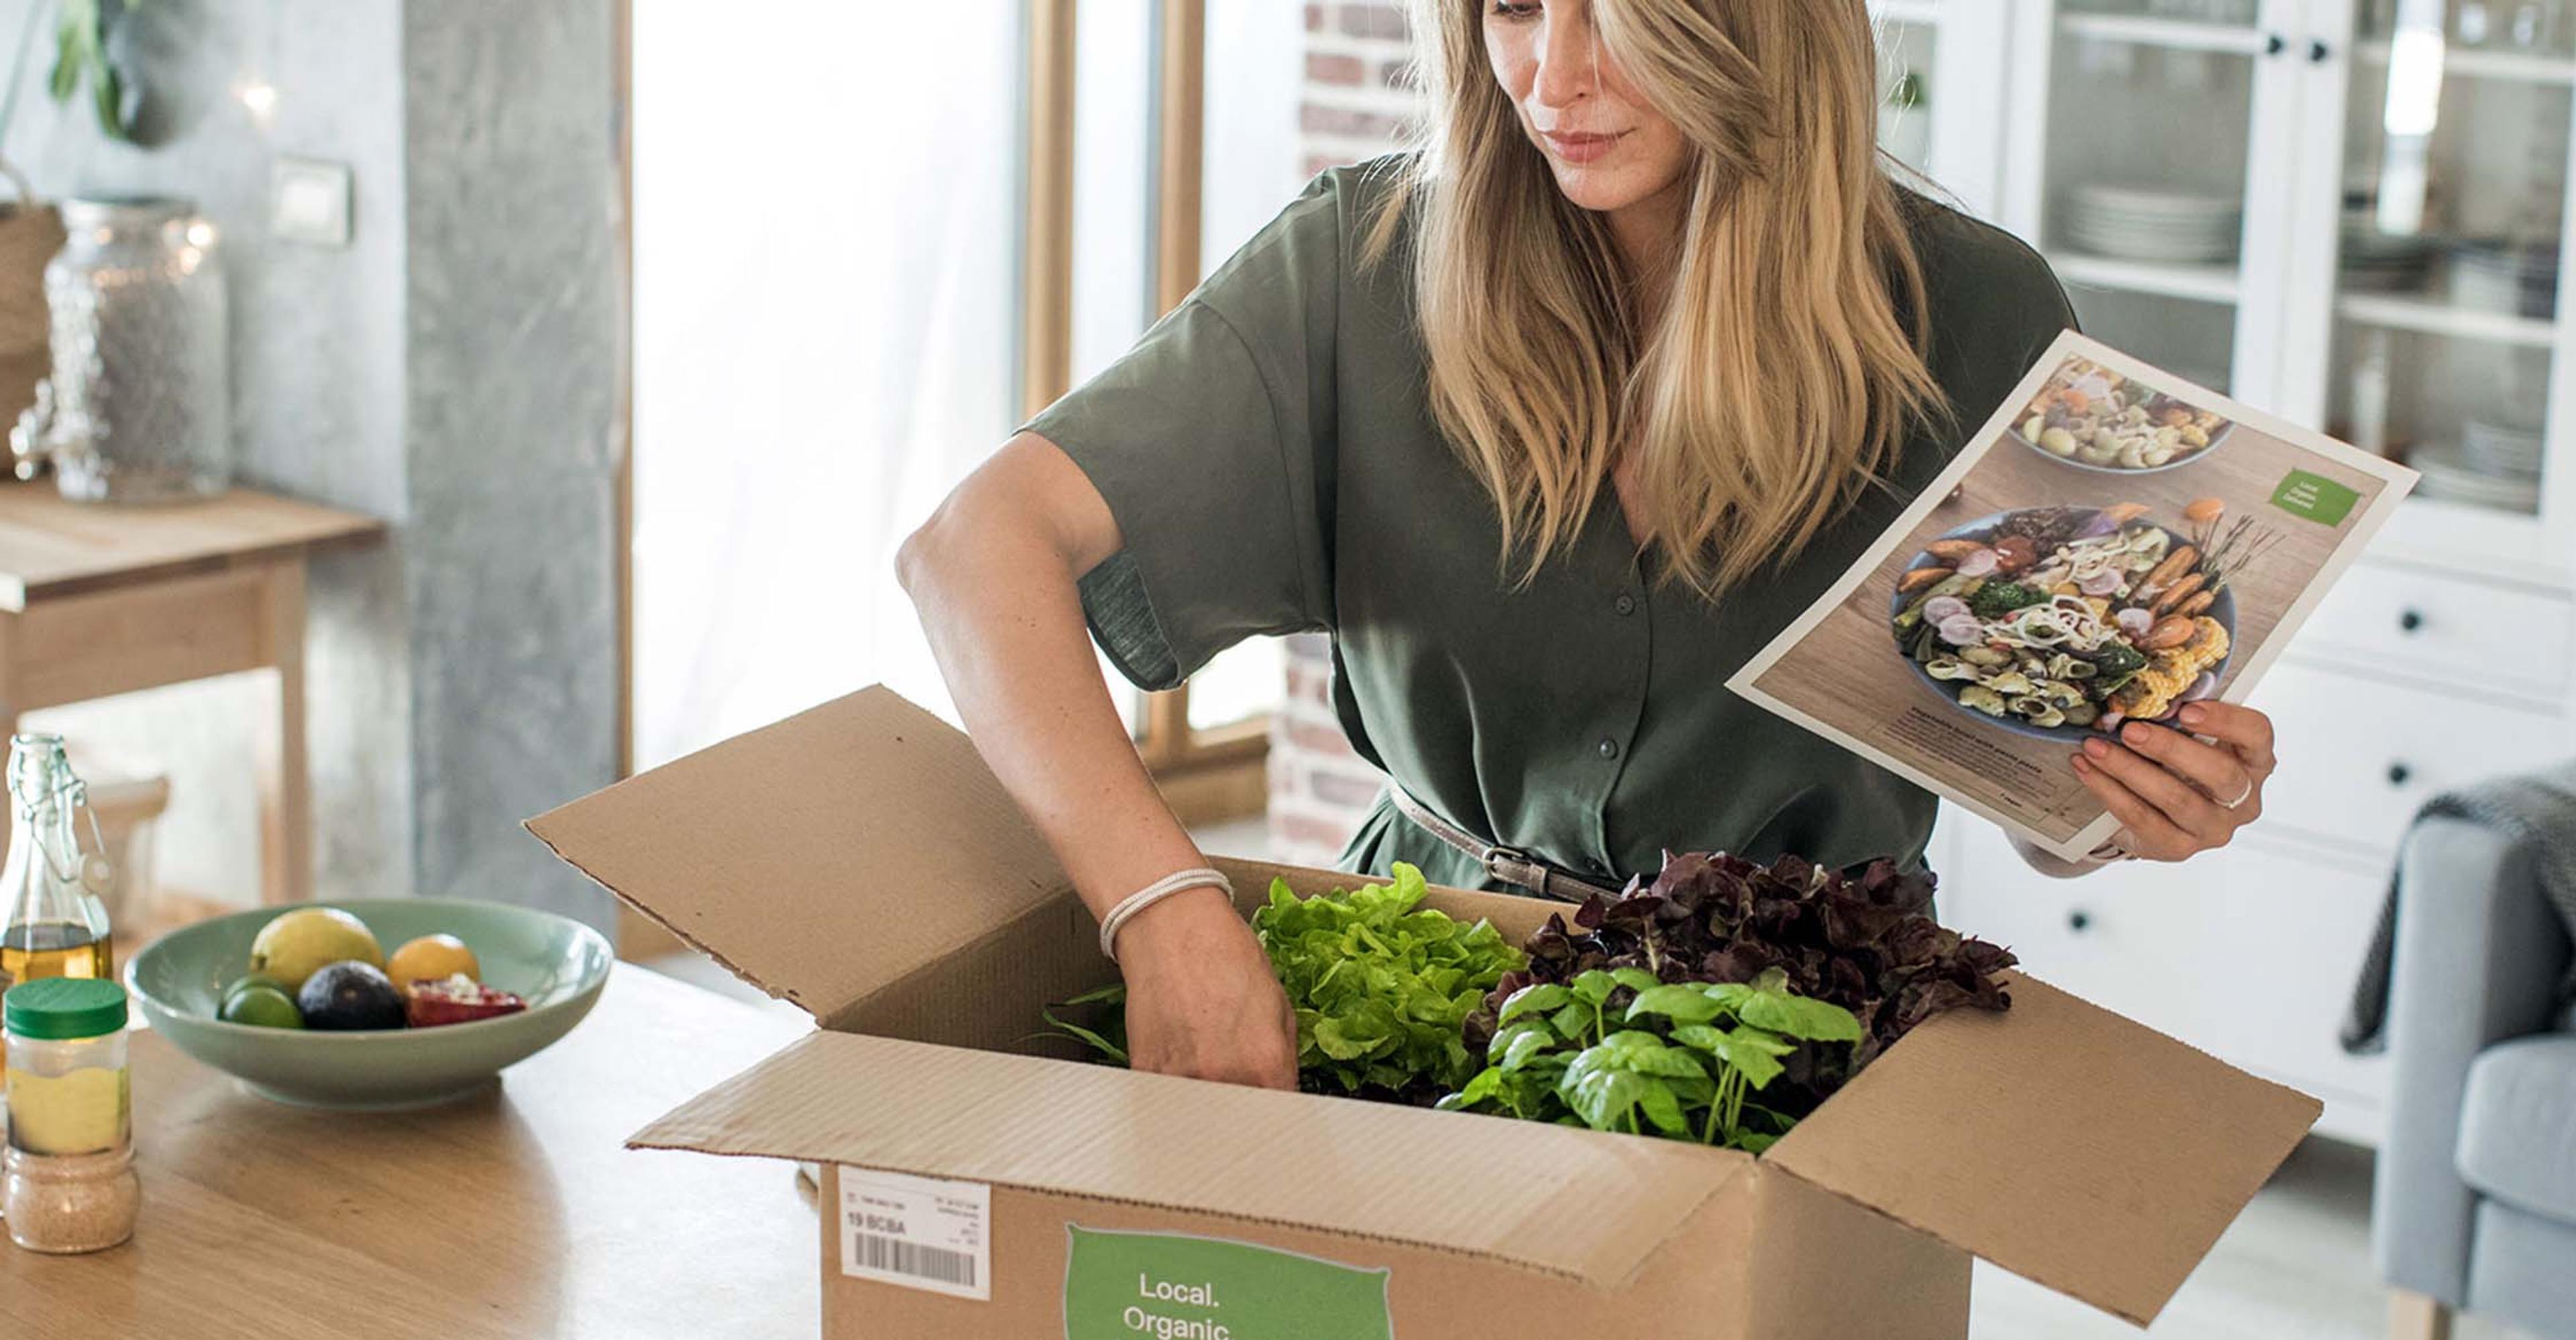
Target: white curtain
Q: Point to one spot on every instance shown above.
(825, 222)
(826, 313)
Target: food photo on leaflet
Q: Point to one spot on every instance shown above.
(2111, 563)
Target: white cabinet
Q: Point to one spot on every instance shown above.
(2250, 958)
(2350, 213)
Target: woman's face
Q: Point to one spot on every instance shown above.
(1609, 150)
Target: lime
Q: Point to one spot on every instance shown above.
(241, 984)
(261, 1005)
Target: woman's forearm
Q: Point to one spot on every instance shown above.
(993, 576)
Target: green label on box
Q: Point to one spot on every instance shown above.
(2315, 497)
(1169, 1286)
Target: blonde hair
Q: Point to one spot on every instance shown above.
(1786, 369)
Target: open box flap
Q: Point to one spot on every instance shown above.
(845, 814)
(1568, 1202)
(2069, 1145)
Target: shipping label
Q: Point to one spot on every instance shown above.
(919, 1232)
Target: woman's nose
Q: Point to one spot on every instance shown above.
(1568, 61)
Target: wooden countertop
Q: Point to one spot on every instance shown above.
(513, 1215)
(51, 548)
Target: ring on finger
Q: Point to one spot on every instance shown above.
(2239, 802)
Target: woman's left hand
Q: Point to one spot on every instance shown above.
(2175, 795)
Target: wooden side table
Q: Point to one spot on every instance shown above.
(98, 600)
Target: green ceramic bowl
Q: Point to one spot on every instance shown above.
(557, 963)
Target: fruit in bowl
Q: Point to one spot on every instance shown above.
(432, 958)
(430, 981)
(260, 1003)
(458, 1000)
(535, 975)
(350, 997)
(297, 944)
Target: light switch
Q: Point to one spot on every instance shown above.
(309, 202)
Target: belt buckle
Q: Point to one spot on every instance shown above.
(1496, 858)
(1524, 870)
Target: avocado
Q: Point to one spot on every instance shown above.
(349, 996)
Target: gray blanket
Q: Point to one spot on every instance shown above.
(2539, 811)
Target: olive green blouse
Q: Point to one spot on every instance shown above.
(1271, 459)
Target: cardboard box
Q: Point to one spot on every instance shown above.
(860, 861)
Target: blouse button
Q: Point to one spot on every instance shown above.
(1625, 604)
(1609, 748)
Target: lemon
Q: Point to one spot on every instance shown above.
(261, 1005)
(431, 958)
(296, 944)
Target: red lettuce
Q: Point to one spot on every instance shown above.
(1865, 942)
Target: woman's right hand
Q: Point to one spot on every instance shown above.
(995, 574)
(1201, 1000)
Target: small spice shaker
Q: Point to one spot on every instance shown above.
(67, 1180)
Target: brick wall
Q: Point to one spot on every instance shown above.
(1356, 105)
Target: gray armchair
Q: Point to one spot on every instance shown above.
(2475, 1202)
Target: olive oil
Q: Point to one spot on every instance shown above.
(54, 949)
(52, 923)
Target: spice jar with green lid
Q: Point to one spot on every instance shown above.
(67, 1181)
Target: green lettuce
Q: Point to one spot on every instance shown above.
(1382, 987)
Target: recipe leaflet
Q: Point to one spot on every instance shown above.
(2114, 543)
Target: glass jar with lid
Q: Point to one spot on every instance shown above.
(139, 405)
(67, 1180)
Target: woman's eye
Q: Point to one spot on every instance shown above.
(1506, 9)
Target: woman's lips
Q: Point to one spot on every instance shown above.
(1580, 147)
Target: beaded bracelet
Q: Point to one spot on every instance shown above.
(1176, 882)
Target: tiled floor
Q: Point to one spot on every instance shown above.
(2295, 1266)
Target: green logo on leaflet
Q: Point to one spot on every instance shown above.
(1170, 1286)
(2315, 497)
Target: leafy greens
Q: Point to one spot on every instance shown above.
(1382, 989)
(1864, 943)
(1619, 1049)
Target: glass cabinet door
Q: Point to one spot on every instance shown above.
(1909, 45)
(2444, 319)
(1941, 103)
(2137, 126)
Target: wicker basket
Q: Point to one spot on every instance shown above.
(31, 232)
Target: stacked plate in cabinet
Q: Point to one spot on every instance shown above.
(2141, 223)
(2497, 449)
(2492, 465)
(2505, 277)
(2377, 262)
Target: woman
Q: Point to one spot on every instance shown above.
(1552, 427)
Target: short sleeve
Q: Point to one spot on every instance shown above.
(1996, 307)
(1210, 440)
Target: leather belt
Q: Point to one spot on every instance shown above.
(1509, 865)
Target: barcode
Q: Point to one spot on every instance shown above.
(911, 1258)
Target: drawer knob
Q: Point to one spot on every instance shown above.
(2079, 921)
(2412, 621)
(2399, 774)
